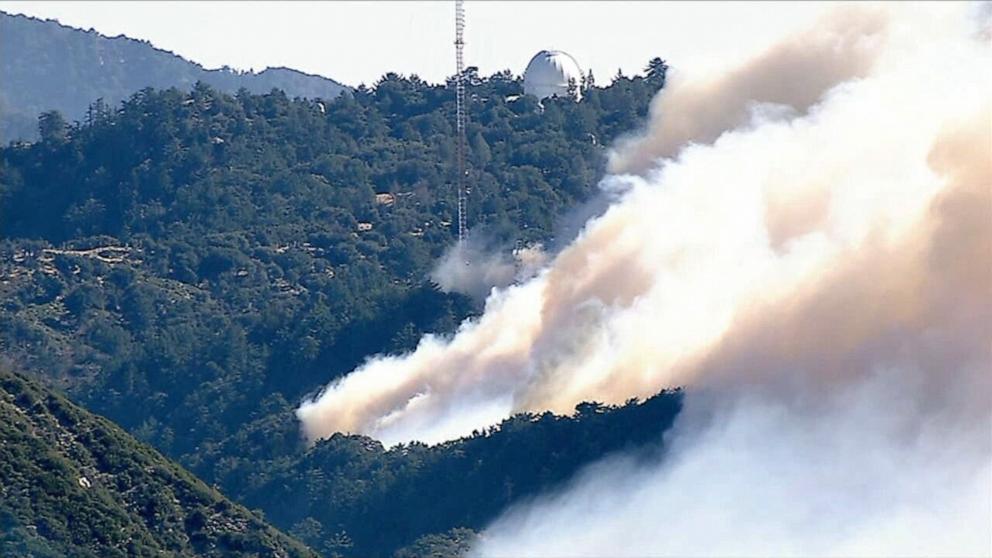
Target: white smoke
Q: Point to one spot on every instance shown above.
(847, 408)
(472, 268)
(761, 478)
(794, 73)
(808, 248)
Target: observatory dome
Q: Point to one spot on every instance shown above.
(549, 72)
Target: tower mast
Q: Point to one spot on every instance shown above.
(460, 118)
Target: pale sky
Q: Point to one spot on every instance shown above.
(356, 42)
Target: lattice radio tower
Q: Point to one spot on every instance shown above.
(460, 117)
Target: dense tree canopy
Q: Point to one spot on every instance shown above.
(385, 500)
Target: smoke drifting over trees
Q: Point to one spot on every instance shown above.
(807, 246)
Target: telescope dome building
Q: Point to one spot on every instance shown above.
(550, 72)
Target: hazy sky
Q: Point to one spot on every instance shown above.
(357, 42)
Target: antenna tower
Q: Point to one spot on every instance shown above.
(460, 118)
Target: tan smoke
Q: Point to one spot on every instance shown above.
(922, 300)
(844, 406)
(794, 73)
(819, 277)
(849, 416)
(778, 249)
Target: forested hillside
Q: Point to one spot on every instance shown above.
(190, 264)
(73, 484)
(389, 502)
(48, 66)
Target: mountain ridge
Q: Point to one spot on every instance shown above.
(65, 68)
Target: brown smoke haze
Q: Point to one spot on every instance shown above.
(794, 73)
(805, 243)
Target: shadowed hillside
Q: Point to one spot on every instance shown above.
(47, 66)
(410, 498)
(74, 484)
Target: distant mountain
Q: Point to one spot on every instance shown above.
(48, 66)
(74, 484)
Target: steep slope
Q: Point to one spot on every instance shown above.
(350, 495)
(74, 484)
(48, 66)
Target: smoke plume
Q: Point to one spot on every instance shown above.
(472, 268)
(793, 74)
(807, 246)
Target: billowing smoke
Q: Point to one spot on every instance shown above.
(807, 246)
(472, 268)
(851, 418)
(792, 75)
(846, 409)
(652, 290)
(763, 477)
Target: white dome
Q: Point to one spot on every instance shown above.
(549, 72)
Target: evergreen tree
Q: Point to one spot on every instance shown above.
(52, 127)
(656, 71)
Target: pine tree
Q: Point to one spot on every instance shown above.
(52, 126)
(656, 71)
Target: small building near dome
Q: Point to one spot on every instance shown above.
(550, 73)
